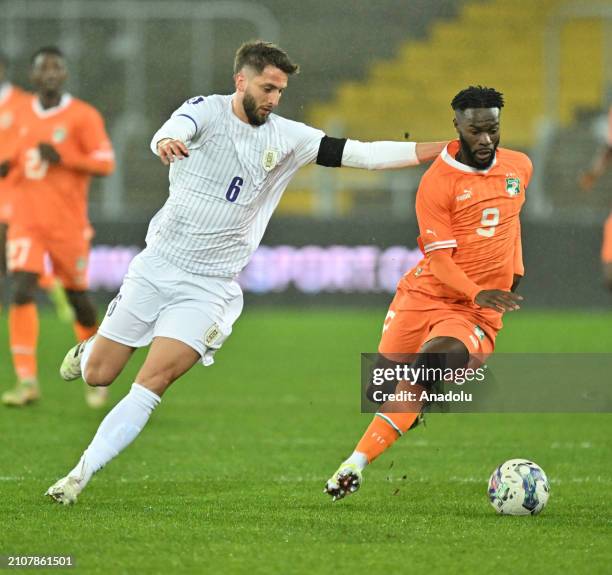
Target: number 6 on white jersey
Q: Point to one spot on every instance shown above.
(490, 219)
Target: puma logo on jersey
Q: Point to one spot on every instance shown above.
(466, 195)
(431, 232)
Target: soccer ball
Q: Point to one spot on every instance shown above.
(518, 487)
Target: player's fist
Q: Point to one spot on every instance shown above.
(48, 153)
(169, 149)
(498, 300)
(4, 169)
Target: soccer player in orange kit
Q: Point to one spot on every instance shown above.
(12, 100)
(450, 305)
(62, 144)
(601, 163)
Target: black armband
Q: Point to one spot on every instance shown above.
(330, 152)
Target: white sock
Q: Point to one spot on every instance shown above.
(359, 459)
(118, 429)
(86, 354)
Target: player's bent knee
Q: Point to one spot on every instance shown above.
(22, 298)
(437, 357)
(96, 374)
(24, 287)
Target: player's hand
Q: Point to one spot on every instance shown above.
(4, 169)
(498, 300)
(587, 181)
(49, 154)
(169, 149)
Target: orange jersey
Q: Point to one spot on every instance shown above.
(13, 101)
(474, 213)
(54, 197)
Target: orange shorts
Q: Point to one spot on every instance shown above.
(406, 330)
(69, 254)
(606, 248)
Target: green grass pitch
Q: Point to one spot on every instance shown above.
(228, 476)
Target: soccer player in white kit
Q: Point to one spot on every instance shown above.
(230, 161)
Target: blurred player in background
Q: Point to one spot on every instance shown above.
(12, 100)
(62, 144)
(599, 166)
(235, 159)
(451, 304)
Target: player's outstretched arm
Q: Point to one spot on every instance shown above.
(337, 152)
(388, 155)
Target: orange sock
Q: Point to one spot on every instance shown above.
(23, 328)
(83, 332)
(383, 432)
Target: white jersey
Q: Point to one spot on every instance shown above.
(222, 197)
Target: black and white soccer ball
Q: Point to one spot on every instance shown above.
(518, 487)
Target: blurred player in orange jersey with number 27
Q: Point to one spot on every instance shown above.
(12, 100)
(62, 144)
(450, 305)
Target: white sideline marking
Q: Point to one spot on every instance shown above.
(7, 478)
(571, 445)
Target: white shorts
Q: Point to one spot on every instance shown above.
(157, 299)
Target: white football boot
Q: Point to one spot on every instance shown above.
(24, 392)
(345, 481)
(66, 490)
(71, 366)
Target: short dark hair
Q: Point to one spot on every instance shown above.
(478, 97)
(259, 54)
(47, 50)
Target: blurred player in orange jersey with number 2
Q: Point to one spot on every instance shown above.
(12, 100)
(62, 144)
(450, 305)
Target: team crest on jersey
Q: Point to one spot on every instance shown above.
(6, 120)
(480, 334)
(59, 134)
(212, 335)
(513, 186)
(269, 159)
